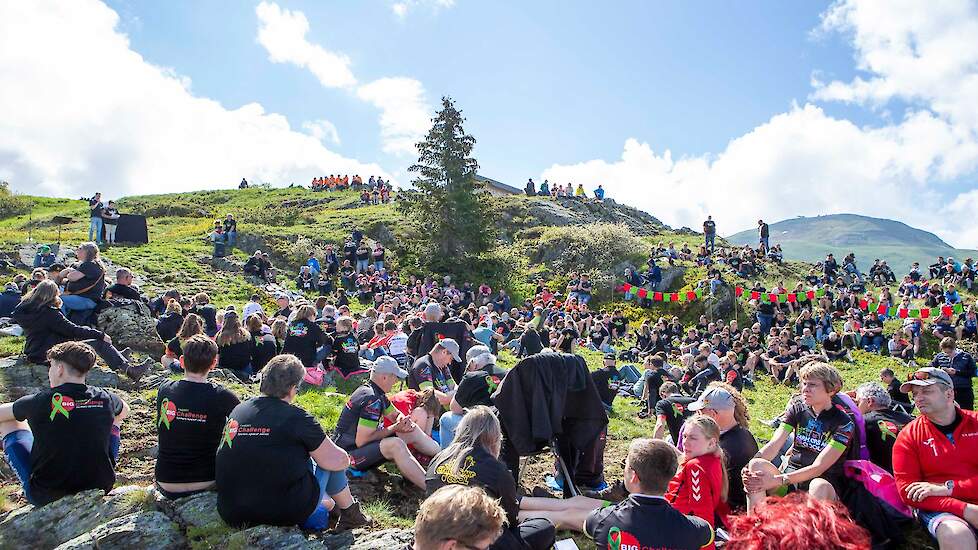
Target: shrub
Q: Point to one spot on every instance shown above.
(12, 204)
(598, 249)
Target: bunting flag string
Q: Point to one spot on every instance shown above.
(688, 296)
(902, 313)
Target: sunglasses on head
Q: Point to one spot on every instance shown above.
(920, 375)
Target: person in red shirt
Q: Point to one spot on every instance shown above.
(935, 461)
(699, 487)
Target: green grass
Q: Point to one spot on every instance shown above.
(11, 345)
(384, 515)
(323, 404)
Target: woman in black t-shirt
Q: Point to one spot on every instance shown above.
(265, 345)
(235, 346)
(192, 326)
(85, 281)
(168, 325)
(473, 459)
(304, 337)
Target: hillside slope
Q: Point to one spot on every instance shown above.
(810, 239)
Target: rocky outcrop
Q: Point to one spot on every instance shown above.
(376, 540)
(144, 530)
(19, 376)
(131, 325)
(719, 305)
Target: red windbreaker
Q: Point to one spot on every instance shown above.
(923, 453)
(696, 488)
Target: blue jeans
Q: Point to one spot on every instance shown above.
(70, 302)
(232, 238)
(95, 230)
(17, 446)
(765, 243)
(448, 422)
(711, 241)
(379, 265)
(630, 374)
(765, 320)
(330, 483)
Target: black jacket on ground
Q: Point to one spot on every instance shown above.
(47, 327)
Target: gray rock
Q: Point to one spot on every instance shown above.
(383, 540)
(17, 371)
(266, 536)
(67, 518)
(197, 510)
(133, 326)
(145, 530)
(721, 304)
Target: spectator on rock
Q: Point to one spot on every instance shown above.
(579, 192)
(359, 432)
(123, 287)
(544, 189)
(530, 188)
(44, 257)
(243, 184)
(933, 461)
(255, 266)
(9, 299)
(273, 451)
(710, 233)
(219, 240)
(599, 193)
(764, 234)
(84, 281)
(190, 416)
(231, 230)
(457, 517)
(64, 440)
(168, 324)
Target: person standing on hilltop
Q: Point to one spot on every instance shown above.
(96, 207)
(710, 233)
(764, 232)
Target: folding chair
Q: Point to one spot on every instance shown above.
(569, 485)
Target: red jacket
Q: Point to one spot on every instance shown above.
(696, 488)
(923, 453)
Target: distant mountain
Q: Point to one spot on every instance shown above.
(810, 239)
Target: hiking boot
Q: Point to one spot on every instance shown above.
(613, 493)
(334, 518)
(135, 372)
(353, 517)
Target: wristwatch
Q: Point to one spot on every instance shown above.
(950, 486)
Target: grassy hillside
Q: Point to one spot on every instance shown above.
(810, 239)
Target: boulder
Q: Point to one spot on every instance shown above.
(19, 376)
(67, 518)
(145, 530)
(133, 326)
(720, 305)
(197, 510)
(375, 540)
(266, 536)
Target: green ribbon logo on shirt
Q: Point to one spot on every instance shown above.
(230, 430)
(61, 404)
(887, 429)
(168, 411)
(614, 539)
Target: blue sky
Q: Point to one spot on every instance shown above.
(738, 110)
(540, 82)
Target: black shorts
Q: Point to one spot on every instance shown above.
(366, 457)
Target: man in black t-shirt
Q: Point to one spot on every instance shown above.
(190, 417)
(645, 519)
(345, 353)
(65, 439)
(123, 287)
(275, 464)
(606, 379)
(95, 208)
(882, 423)
(888, 377)
(710, 233)
(671, 411)
(360, 429)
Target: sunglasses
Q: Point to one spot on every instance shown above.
(920, 375)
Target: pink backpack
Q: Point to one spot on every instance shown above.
(878, 482)
(314, 376)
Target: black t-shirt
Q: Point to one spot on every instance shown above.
(366, 406)
(72, 424)
(190, 418)
(303, 338)
(619, 324)
(175, 347)
(585, 288)
(710, 227)
(675, 410)
(765, 308)
(642, 521)
(477, 468)
(740, 447)
(948, 429)
(93, 281)
(832, 427)
(893, 388)
(834, 346)
(110, 211)
(882, 427)
(96, 207)
(264, 473)
(209, 314)
(476, 387)
(123, 291)
(346, 353)
(734, 377)
(599, 334)
(265, 349)
(230, 225)
(236, 356)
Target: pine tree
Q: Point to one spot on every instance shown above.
(448, 207)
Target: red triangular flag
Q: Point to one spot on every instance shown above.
(773, 298)
(657, 296)
(626, 287)
(947, 310)
(691, 296)
(903, 313)
(755, 295)
(674, 297)
(925, 313)
(792, 297)
(642, 293)
(863, 304)
(881, 309)
(810, 294)
(739, 291)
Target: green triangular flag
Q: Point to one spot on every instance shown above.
(914, 313)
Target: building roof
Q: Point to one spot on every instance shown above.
(498, 185)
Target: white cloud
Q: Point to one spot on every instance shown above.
(402, 7)
(321, 129)
(88, 113)
(283, 34)
(805, 162)
(404, 117)
(404, 112)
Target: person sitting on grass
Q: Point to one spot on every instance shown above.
(473, 459)
(700, 487)
(934, 461)
(45, 326)
(900, 346)
(190, 416)
(192, 326)
(360, 433)
(671, 411)
(882, 423)
(457, 517)
(276, 466)
(64, 440)
(645, 519)
(235, 346)
(168, 324)
(823, 434)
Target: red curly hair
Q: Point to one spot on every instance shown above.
(797, 521)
